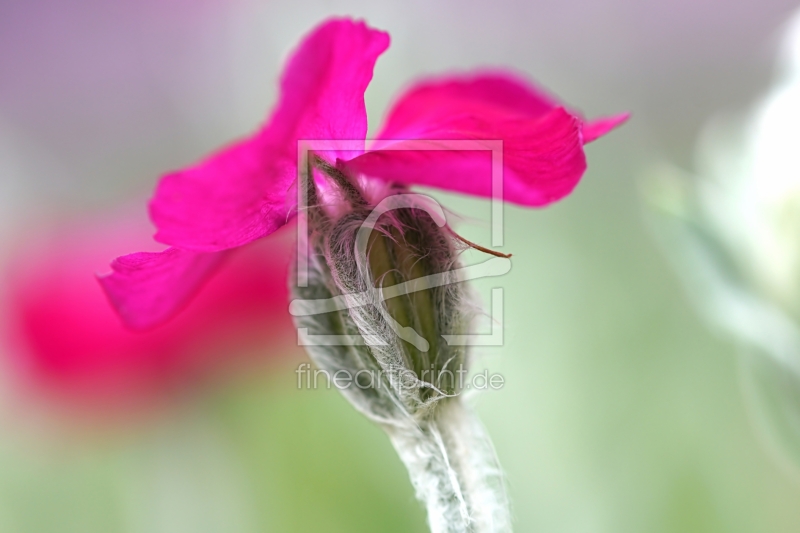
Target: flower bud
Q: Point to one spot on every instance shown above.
(391, 267)
(382, 299)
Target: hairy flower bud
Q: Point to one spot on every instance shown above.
(382, 299)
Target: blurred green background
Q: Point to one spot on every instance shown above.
(621, 411)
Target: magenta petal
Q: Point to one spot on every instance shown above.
(243, 193)
(543, 159)
(542, 142)
(222, 202)
(322, 88)
(148, 288)
(597, 128)
(501, 92)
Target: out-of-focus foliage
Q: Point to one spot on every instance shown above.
(734, 232)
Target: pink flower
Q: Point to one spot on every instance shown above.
(247, 190)
(69, 345)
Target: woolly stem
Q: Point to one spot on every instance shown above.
(454, 470)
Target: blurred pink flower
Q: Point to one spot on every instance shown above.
(245, 192)
(69, 344)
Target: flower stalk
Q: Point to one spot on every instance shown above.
(454, 470)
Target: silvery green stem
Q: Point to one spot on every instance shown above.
(454, 470)
(381, 299)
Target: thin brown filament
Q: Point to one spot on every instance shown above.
(478, 246)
